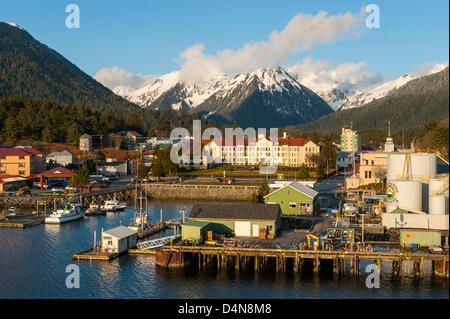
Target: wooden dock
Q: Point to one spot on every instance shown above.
(141, 251)
(88, 255)
(21, 223)
(281, 258)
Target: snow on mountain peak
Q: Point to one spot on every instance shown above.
(15, 25)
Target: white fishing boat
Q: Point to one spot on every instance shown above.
(65, 213)
(113, 205)
(110, 205)
(94, 209)
(121, 206)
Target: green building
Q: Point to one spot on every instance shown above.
(295, 199)
(240, 219)
(350, 140)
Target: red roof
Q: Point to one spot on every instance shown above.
(57, 170)
(10, 151)
(227, 142)
(293, 141)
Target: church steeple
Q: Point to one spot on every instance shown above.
(389, 144)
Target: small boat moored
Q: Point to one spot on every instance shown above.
(65, 213)
(94, 209)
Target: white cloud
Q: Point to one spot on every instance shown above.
(323, 75)
(429, 68)
(114, 77)
(301, 34)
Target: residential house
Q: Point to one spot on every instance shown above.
(295, 199)
(63, 158)
(86, 143)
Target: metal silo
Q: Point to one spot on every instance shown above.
(404, 194)
(438, 202)
(438, 205)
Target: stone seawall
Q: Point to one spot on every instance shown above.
(207, 192)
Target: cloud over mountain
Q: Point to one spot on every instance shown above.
(301, 33)
(114, 77)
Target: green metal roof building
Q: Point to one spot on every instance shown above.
(240, 219)
(295, 199)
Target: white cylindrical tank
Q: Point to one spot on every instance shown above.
(438, 205)
(395, 162)
(404, 194)
(422, 166)
(436, 185)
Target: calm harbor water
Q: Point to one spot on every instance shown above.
(33, 265)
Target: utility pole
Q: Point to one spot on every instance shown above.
(362, 230)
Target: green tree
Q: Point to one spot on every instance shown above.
(263, 190)
(73, 134)
(142, 170)
(320, 170)
(303, 172)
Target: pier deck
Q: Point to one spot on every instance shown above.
(88, 255)
(21, 222)
(280, 258)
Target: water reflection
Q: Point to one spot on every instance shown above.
(33, 262)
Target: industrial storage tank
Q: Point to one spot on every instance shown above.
(404, 194)
(422, 166)
(438, 205)
(438, 201)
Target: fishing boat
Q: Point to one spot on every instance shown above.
(113, 205)
(140, 221)
(65, 213)
(12, 212)
(94, 209)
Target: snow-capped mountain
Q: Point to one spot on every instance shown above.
(364, 96)
(342, 96)
(267, 97)
(169, 88)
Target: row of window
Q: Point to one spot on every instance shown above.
(4, 157)
(20, 165)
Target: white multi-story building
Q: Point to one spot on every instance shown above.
(283, 152)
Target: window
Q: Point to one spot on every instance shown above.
(292, 205)
(21, 172)
(2, 157)
(21, 157)
(21, 165)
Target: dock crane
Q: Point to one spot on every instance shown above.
(309, 236)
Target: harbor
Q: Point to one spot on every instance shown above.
(50, 248)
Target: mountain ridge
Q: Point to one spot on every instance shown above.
(31, 69)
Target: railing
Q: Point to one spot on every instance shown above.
(155, 243)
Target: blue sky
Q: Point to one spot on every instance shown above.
(147, 37)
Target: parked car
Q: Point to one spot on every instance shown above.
(58, 190)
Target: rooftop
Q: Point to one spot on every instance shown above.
(195, 223)
(120, 232)
(10, 151)
(308, 191)
(242, 211)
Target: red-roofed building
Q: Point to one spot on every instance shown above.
(285, 152)
(21, 161)
(58, 172)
